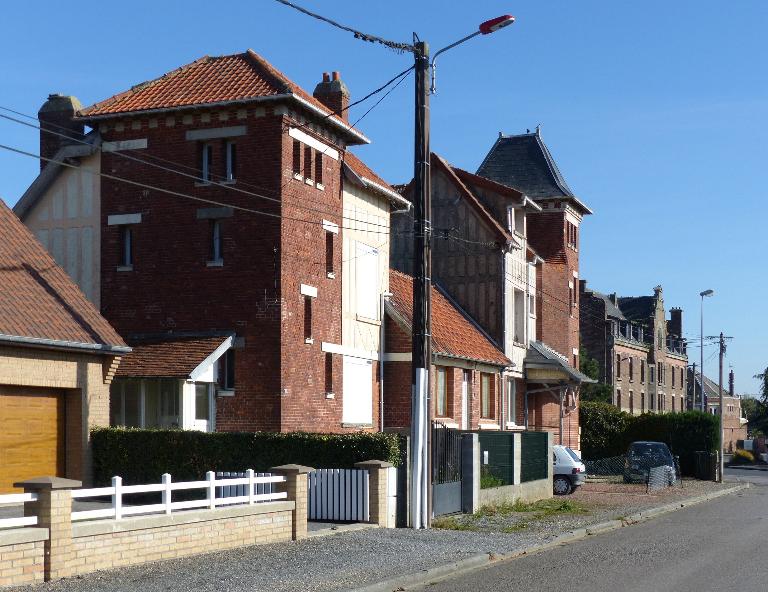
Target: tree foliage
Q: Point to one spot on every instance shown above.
(593, 393)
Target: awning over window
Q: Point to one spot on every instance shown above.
(543, 364)
(174, 356)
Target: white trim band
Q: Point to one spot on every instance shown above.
(124, 145)
(308, 291)
(122, 219)
(305, 138)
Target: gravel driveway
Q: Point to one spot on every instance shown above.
(353, 559)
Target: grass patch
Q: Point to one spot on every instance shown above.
(540, 509)
(453, 523)
(520, 526)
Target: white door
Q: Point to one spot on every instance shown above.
(465, 400)
(203, 407)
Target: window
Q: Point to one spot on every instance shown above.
(511, 400)
(631, 403)
(148, 403)
(207, 164)
(510, 218)
(642, 371)
(202, 402)
(673, 377)
(367, 281)
(631, 368)
(226, 371)
(308, 319)
(442, 392)
(659, 371)
(319, 168)
(642, 402)
(532, 305)
(486, 396)
(231, 160)
(126, 246)
(618, 365)
(618, 398)
(329, 253)
(572, 234)
(328, 373)
(673, 404)
(307, 162)
(571, 298)
(518, 306)
(652, 374)
(215, 253)
(297, 157)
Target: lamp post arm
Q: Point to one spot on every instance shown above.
(433, 65)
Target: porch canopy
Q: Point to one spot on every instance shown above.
(549, 372)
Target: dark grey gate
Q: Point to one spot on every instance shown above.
(446, 470)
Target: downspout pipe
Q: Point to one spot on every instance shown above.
(384, 296)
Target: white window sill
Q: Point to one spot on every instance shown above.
(320, 186)
(228, 182)
(356, 425)
(368, 320)
(225, 393)
(298, 177)
(514, 427)
(330, 395)
(216, 263)
(489, 426)
(202, 183)
(125, 268)
(330, 275)
(309, 181)
(309, 340)
(448, 424)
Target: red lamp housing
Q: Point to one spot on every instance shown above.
(497, 23)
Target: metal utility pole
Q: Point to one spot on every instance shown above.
(422, 301)
(693, 402)
(722, 429)
(701, 346)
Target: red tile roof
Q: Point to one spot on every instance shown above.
(363, 170)
(173, 357)
(453, 334)
(241, 77)
(38, 300)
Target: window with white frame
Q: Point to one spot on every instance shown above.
(511, 400)
(225, 371)
(126, 246)
(146, 403)
(367, 281)
(441, 386)
(518, 305)
(231, 160)
(207, 163)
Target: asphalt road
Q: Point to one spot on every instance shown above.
(717, 545)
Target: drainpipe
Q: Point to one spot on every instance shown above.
(384, 296)
(502, 419)
(562, 396)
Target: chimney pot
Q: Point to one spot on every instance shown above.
(57, 114)
(336, 75)
(326, 77)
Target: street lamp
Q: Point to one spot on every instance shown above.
(422, 273)
(701, 346)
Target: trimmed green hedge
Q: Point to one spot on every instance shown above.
(606, 431)
(142, 456)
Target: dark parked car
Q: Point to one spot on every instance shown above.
(643, 456)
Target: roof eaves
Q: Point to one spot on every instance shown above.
(366, 183)
(39, 342)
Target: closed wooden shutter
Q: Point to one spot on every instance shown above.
(31, 435)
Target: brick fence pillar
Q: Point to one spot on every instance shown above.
(54, 512)
(296, 486)
(378, 491)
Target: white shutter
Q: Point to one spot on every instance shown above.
(358, 391)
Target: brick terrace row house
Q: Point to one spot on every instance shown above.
(483, 260)
(640, 352)
(236, 244)
(734, 422)
(57, 359)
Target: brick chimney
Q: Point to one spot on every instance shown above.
(613, 298)
(675, 326)
(333, 93)
(56, 115)
(731, 386)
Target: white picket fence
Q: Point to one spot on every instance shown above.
(240, 490)
(15, 499)
(119, 510)
(338, 494)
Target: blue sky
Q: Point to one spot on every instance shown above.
(657, 113)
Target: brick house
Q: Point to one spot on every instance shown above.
(224, 244)
(57, 358)
(482, 258)
(734, 423)
(467, 369)
(525, 163)
(640, 352)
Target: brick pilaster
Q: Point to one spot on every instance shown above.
(296, 486)
(54, 512)
(377, 491)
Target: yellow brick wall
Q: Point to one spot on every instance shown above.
(21, 563)
(82, 376)
(106, 551)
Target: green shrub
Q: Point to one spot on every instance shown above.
(142, 456)
(607, 432)
(489, 480)
(742, 457)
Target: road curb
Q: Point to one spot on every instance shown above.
(475, 562)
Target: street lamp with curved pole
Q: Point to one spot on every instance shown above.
(701, 346)
(420, 469)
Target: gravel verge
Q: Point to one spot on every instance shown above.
(358, 558)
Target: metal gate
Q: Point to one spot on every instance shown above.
(446, 470)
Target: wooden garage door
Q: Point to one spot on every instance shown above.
(31, 435)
